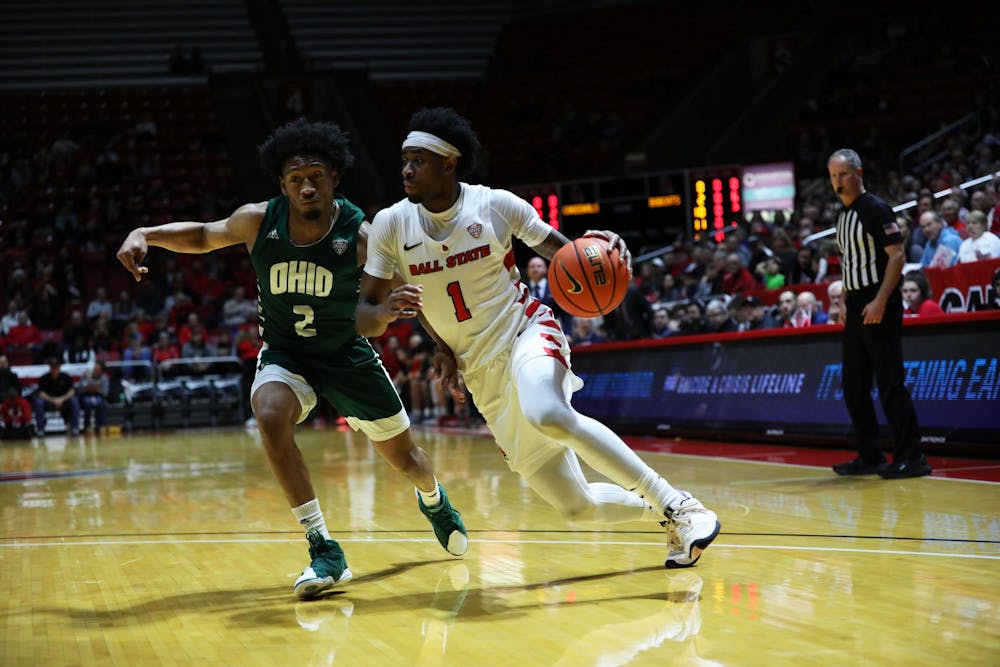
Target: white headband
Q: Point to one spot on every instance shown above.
(434, 144)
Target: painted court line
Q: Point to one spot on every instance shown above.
(715, 546)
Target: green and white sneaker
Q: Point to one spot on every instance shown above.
(328, 567)
(447, 524)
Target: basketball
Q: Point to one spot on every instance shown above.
(588, 279)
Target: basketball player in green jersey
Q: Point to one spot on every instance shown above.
(307, 247)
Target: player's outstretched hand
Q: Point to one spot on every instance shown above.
(446, 368)
(614, 241)
(132, 252)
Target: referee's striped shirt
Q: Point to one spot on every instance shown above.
(864, 229)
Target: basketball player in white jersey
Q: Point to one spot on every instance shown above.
(451, 242)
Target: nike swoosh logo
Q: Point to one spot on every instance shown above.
(411, 247)
(577, 287)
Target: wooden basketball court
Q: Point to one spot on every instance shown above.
(179, 549)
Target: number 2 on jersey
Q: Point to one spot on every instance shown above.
(461, 310)
(303, 327)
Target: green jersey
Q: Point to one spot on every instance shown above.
(307, 293)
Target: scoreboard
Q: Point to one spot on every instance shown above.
(716, 200)
(661, 207)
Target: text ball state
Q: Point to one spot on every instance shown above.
(588, 279)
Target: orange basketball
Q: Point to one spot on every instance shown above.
(586, 279)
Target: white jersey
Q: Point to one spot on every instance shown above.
(464, 260)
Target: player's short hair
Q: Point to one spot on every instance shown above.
(848, 155)
(446, 123)
(301, 137)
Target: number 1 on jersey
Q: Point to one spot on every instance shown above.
(461, 310)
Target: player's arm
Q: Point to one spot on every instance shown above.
(191, 237)
(444, 362)
(551, 244)
(363, 242)
(379, 302)
(874, 311)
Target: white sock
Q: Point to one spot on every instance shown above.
(658, 491)
(430, 498)
(310, 517)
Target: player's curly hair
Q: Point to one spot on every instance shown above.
(301, 137)
(446, 123)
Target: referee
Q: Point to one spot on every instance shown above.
(873, 259)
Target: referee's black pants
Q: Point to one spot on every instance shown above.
(876, 350)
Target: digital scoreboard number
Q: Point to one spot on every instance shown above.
(716, 201)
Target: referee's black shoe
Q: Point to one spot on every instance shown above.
(860, 466)
(917, 467)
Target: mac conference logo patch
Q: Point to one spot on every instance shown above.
(475, 229)
(339, 246)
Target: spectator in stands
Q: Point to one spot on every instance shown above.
(194, 348)
(905, 230)
(537, 271)
(950, 213)
(191, 324)
(238, 310)
(804, 270)
(692, 321)
(19, 287)
(8, 378)
(137, 351)
(79, 351)
(758, 316)
(690, 281)
(669, 291)
(164, 349)
(93, 392)
(24, 335)
(76, 332)
(759, 252)
(784, 250)
(15, 413)
(99, 304)
(835, 295)
(717, 318)
(808, 310)
(10, 319)
(736, 279)
(661, 323)
(178, 307)
(943, 242)
(57, 391)
(739, 312)
(46, 310)
(100, 334)
(631, 320)
(981, 200)
(770, 273)
(587, 331)
(917, 295)
(786, 308)
(123, 311)
(981, 244)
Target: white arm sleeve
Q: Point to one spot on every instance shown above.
(513, 215)
(381, 261)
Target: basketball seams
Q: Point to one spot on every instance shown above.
(585, 272)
